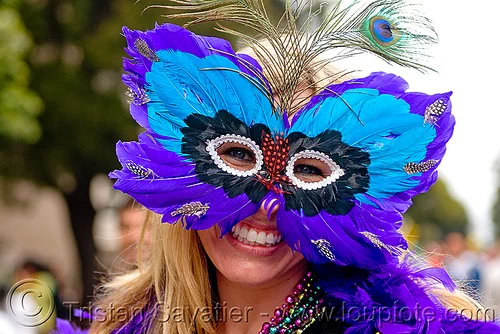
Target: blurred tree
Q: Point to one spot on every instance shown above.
(19, 106)
(76, 67)
(84, 112)
(438, 212)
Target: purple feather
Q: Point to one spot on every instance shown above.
(394, 298)
(174, 38)
(347, 245)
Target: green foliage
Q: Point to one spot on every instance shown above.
(438, 210)
(76, 70)
(19, 106)
(76, 67)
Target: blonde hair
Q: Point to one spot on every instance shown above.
(177, 275)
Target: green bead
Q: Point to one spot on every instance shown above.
(273, 330)
(287, 320)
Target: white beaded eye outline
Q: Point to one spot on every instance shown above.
(214, 144)
(336, 171)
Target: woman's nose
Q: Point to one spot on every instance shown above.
(269, 207)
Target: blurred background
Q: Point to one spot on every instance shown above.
(63, 108)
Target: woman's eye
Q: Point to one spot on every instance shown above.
(307, 170)
(237, 156)
(239, 153)
(311, 170)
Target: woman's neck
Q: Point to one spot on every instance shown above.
(244, 309)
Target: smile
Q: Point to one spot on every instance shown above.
(253, 237)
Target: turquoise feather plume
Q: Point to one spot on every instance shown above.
(180, 84)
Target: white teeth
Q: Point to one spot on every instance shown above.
(252, 235)
(261, 238)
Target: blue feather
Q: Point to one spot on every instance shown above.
(181, 84)
(381, 125)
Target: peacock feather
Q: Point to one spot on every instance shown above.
(291, 51)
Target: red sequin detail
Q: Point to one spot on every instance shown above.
(275, 153)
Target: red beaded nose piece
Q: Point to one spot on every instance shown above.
(275, 151)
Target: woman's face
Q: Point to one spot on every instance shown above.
(253, 253)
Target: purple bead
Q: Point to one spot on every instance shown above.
(265, 326)
(320, 301)
(310, 312)
(298, 322)
(282, 331)
(278, 312)
(273, 320)
(300, 286)
(279, 319)
(284, 306)
(289, 299)
(309, 274)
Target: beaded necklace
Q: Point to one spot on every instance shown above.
(300, 310)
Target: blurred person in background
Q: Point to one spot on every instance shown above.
(435, 253)
(131, 217)
(462, 263)
(31, 296)
(490, 282)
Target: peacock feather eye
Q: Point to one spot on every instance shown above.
(383, 31)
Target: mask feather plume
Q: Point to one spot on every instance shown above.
(290, 50)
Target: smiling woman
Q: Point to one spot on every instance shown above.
(276, 186)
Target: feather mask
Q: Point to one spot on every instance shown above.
(338, 171)
(217, 147)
